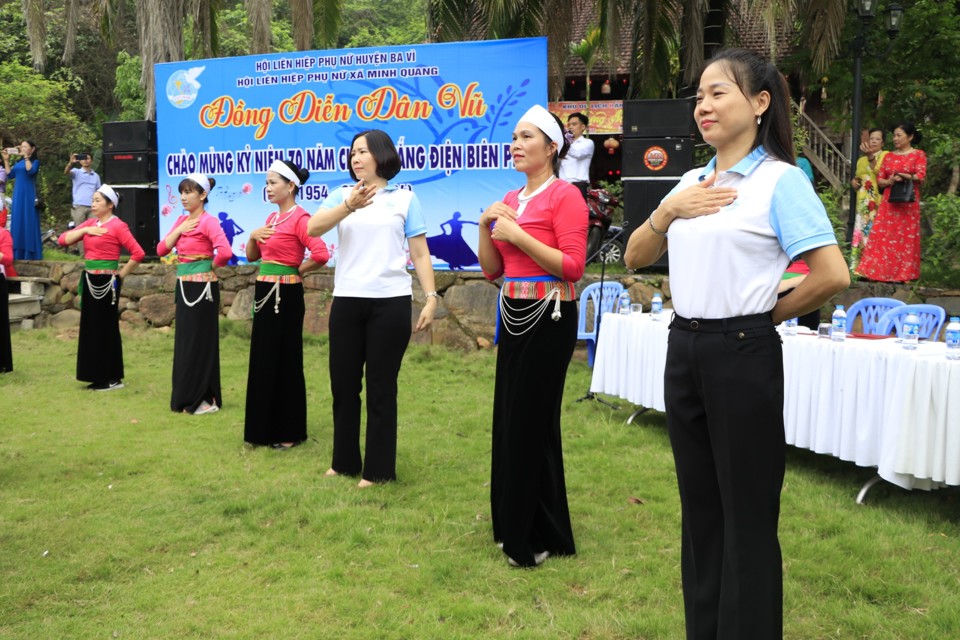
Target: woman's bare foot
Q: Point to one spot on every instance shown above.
(363, 484)
(330, 473)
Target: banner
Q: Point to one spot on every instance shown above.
(605, 117)
(450, 109)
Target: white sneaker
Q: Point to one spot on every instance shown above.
(106, 386)
(206, 407)
(538, 559)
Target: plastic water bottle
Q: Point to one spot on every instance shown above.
(953, 339)
(623, 304)
(910, 333)
(656, 307)
(790, 327)
(838, 332)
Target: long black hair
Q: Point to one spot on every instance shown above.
(753, 73)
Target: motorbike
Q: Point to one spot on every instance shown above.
(600, 205)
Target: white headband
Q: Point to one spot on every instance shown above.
(279, 166)
(108, 191)
(545, 122)
(201, 180)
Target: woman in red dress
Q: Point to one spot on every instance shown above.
(893, 254)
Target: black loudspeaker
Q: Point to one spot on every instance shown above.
(138, 135)
(654, 157)
(640, 199)
(658, 118)
(135, 167)
(139, 208)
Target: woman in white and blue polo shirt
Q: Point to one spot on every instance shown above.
(732, 228)
(370, 316)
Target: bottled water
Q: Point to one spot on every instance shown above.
(790, 327)
(656, 307)
(910, 333)
(838, 332)
(623, 304)
(953, 339)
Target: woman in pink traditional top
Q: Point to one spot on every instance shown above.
(6, 271)
(99, 348)
(201, 245)
(537, 239)
(276, 412)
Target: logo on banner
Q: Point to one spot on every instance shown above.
(183, 88)
(655, 158)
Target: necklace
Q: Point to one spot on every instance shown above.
(522, 199)
(276, 218)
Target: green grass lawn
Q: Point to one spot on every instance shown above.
(120, 519)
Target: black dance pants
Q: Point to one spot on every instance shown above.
(196, 348)
(99, 347)
(6, 350)
(371, 333)
(276, 409)
(528, 493)
(723, 387)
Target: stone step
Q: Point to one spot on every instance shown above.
(29, 286)
(23, 306)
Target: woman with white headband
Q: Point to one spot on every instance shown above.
(536, 239)
(276, 413)
(6, 271)
(99, 348)
(371, 311)
(201, 245)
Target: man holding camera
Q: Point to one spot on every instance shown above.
(85, 183)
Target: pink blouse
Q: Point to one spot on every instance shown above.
(556, 217)
(6, 248)
(201, 241)
(288, 244)
(107, 246)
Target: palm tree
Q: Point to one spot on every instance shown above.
(589, 50)
(452, 20)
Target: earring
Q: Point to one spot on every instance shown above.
(758, 120)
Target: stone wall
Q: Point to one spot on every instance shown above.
(465, 316)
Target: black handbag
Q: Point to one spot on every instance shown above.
(902, 192)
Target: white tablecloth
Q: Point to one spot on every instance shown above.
(870, 402)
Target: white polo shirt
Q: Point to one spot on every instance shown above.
(730, 263)
(372, 256)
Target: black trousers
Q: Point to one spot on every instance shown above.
(99, 347)
(370, 333)
(276, 408)
(196, 348)
(6, 351)
(723, 387)
(528, 492)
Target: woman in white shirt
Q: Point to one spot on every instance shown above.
(370, 316)
(732, 228)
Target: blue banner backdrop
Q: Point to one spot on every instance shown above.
(450, 108)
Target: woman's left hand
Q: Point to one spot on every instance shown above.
(426, 315)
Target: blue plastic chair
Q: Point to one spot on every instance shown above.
(593, 302)
(870, 310)
(930, 315)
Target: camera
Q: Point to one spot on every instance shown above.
(82, 156)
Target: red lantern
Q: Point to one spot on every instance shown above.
(611, 144)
